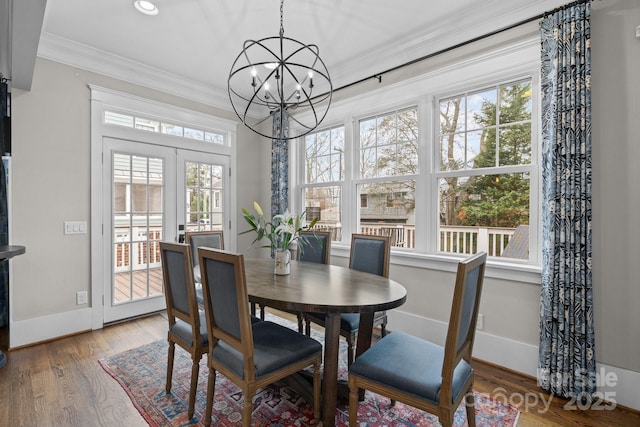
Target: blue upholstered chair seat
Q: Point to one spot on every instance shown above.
(348, 321)
(182, 330)
(409, 364)
(275, 347)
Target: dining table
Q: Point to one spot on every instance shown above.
(331, 290)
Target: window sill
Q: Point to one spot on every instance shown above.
(495, 269)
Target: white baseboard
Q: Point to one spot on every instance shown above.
(619, 385)
(614, 384)
(25, 332)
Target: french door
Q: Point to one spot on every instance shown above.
(156, 193)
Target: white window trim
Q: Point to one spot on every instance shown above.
(519, 60)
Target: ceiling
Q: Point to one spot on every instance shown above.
(188, 48)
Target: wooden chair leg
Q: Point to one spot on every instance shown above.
(211, 390)
(471, 409)
(307, 327)
(350, 351)
(445, 416)
(316, 391)
(300, 326)
(195, 369)
(170, 354)
(247, 410)
(353, 404)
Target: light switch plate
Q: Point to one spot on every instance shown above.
(75, 227)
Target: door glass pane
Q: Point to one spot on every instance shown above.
(137, 209)
(204, 196)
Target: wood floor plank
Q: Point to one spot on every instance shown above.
(61, 383)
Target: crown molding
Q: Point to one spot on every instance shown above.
(81, 56)
(456, 29)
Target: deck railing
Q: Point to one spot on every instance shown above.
(134, 254)
(458, 240)
(136, 250)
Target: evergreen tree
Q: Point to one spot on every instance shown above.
(500, 200)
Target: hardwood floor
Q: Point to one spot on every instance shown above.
(60, 383)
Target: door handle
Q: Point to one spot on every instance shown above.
(181, 233)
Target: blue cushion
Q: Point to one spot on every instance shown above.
(212, 240)
(200, 298)
(275, 347)
(348, 321)
(409, 364)
(183, 330)
(368, 255)
(315, 250)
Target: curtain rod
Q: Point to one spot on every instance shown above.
(378, 76)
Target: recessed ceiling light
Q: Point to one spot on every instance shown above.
(146, 7)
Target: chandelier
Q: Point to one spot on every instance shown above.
(275, 76)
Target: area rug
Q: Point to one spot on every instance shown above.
(142, 374)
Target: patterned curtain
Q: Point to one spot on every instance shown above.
(279, 165)
(567, 362)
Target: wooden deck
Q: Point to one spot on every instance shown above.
(131, 286)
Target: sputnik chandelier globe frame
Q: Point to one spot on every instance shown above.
(276, 76)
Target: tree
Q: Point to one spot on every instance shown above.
(389, 147)
(500, 200)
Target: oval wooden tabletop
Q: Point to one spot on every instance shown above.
(321, 288)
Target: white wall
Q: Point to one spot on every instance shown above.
(51, 184)
(616, 181)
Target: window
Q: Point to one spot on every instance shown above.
(150, 125)
(388, 166)
(484, 169)
(446, 164)
(204, 194)
(323, 176)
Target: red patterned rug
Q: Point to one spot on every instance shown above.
(142, 374)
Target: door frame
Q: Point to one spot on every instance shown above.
(102, 100)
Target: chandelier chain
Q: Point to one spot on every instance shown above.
(281, 19)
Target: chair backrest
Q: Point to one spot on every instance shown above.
(318, 247)
(226, 302)
(179, 287)
(209, 238)
(464, 314)
(370, 254)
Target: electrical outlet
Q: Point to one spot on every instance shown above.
(81, 297)
(480, 322)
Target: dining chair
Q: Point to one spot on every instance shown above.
(251, 355)
(369, 254)
(187, 326)
(317, 248)
(207, 238)
(423, 374)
